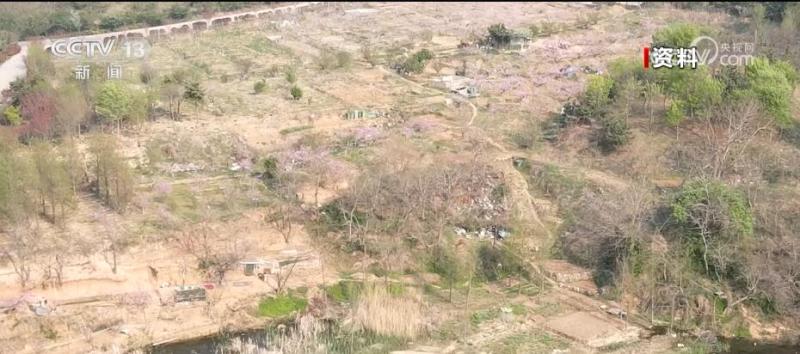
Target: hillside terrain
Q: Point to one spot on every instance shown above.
(407, 178)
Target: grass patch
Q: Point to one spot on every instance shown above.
(281, 306)
(295, 129)
(548, 309)
(535, 342)
(481, 316)
(182, 202)
(518, 310)
(262, 45)
(357, 156)
(344, 291)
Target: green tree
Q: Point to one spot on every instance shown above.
(446, 262)
(499, 35)
(72, 109)
(17, 182)
(74, 163)
(715, 221)
(614, 133)
(53, 183)
(757, 18)
(675, 115)
(39, 63)
(698, 91)
(113, 178)
(194, 94)
(141, 101)
(114, 102)
(597, 94)
(416, 63)
(773, 85)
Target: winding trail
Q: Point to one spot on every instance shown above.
(518, 185)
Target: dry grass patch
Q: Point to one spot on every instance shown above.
(388, 313)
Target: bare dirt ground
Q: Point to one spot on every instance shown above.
(514, 87)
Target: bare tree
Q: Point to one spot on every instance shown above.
(729, 132)
(281, 218)
(115, 240)
(243, 65)
(214, 257)
(281, 277)
(20, 249)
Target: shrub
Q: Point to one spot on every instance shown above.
(281, 306)
(291, 75)
(343, 60)
(534, 30)
(7, 38)
(773, 85)
(329, 60)
(613, 134)
(677, 35)
(12, 115)
(498, 262)
(259, 87)
(675, 115)
(697, 90)
(597, 94)
(527, 136)
(416, 63)
(344, 291)
(296, 92)
(714, 220)
(270, 168)
(178, 12)
(499, 35)
(111, 23)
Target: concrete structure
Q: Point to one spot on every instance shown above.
(14, 67)
(519, 44)
(253, 266)
(189, 294)
(361, 113)
(187, 26)
(461, 85)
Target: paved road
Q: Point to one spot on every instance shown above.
(14, 67)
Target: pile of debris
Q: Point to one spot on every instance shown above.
(27, 303)
(484, 233)
(571, 71)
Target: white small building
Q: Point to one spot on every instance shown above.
(253, 266)
(460, 85)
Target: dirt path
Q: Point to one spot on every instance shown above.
(13, 68)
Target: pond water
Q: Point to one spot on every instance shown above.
(330, 336)
(745, 346)
(337, 340)
(210, 345)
